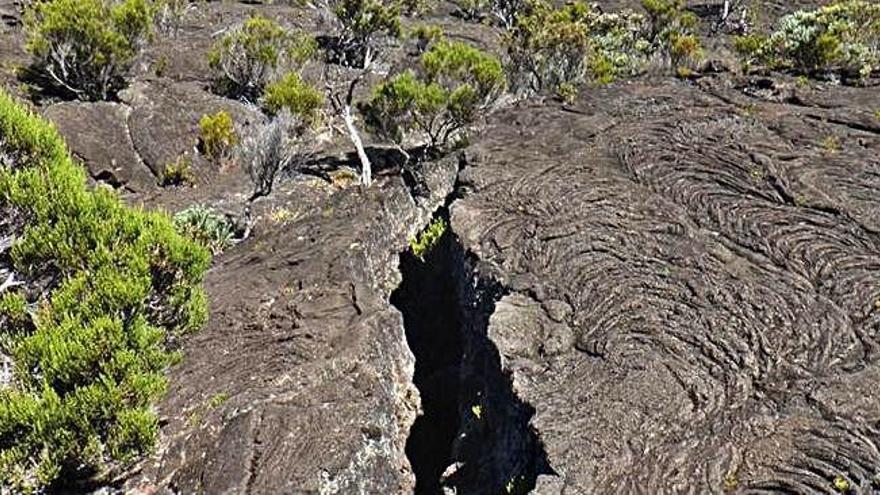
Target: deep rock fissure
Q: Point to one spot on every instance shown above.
(473, 435)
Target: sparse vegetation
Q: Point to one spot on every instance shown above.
(248, 57)
(217, 135)
(456, 84)
(206, 226)
(89, 359)
(84, 48)
(428, 238)
(842, 38)
(293, 94)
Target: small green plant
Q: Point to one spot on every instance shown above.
(85, 48)
(247, 58)
(457, 82)
(160, 65)
(428, 239)
(841, 37)
(831, 143)
(841, 484)
(477, 411)
(206, 226)
(217, 135)
(177, 173)
(218, 400)
(295, 95)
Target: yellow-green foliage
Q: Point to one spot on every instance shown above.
(246, 58)
(429, 238)
(217, 135)
(455, 84)
(84, 48)
(843, 37)
(89, 364)
(177, 173)
(295, 95)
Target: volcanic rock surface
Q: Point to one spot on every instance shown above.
(667, 286)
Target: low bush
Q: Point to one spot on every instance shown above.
(362, 24)
(455, 85)
(84, 48)
(557, 49)
(841, 38)
(206, 226)
(249, 56)
(217, 135)
(293, 94)
(269, 148)
(89, 361)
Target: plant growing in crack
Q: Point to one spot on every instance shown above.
(428, 238)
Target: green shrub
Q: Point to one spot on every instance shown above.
(842, 38)
(428, 238)
(84, 48)
(670, 30)
(426, 35)
(549, 47)
(457, 82)
(295, 95)
(217, 135)
(362, 23)
(89, 365)
(177, 173)
(206, 226)
(248, 57)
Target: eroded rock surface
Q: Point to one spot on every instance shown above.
(692, 296)
(302, 381)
